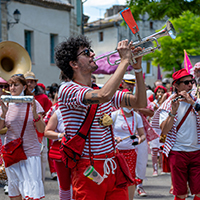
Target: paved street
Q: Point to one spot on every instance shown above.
(157, 188)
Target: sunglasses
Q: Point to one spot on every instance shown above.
(86, 52)
(20, 75)
(187, 82)
(4, 86)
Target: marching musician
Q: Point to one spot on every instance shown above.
(75, 58)
(179, 120)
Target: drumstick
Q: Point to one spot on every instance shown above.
(131, 136)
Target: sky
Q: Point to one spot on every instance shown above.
(95, 9)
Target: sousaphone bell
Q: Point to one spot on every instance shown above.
(14, 59)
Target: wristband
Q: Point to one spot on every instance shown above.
(138, 70)
(1, 118)
(171, 115)
(59, 136)
(36, 120)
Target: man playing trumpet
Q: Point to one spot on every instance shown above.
(75, 58)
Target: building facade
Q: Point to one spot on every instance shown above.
(43, 25)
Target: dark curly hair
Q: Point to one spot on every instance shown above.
(67, 51)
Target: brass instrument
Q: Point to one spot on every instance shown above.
(14, 59)
(167, 31)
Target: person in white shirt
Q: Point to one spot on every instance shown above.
(179, 120)
(127, 123)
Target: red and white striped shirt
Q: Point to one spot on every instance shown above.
(73, 110)
(171, 135)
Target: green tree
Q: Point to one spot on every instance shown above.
(158, 9)
(171, 54)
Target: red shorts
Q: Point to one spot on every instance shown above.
(131, 158)
(86, 189)
(185, 167)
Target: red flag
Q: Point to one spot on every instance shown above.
(187, 62)
(130, 21)
(144, 75)
(159, 76)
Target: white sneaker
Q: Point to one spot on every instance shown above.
(155, 173)
(54, 176)
(6, 189)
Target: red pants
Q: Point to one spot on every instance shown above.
(185, 167)
(86, 189)
(64, 175)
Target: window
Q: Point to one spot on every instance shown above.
(100, 36)
(29, 43)
(151, 25)
(147, 67)
(53, 42)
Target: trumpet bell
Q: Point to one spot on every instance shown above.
(14, 59)
(171, 30)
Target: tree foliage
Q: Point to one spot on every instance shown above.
(171, 54)
(158, 9)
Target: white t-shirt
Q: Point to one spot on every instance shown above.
(120, 128)
(186, 137)
(60, 127)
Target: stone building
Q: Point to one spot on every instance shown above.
(43, 24)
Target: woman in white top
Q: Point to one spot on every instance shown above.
(24, 177)
(126, 122)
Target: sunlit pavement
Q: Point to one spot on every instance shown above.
(157, 188)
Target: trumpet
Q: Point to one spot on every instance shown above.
(167, 31)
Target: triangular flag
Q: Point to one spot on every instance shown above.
(144, 76)
(187, 62)
(129, 19)
(159, 76)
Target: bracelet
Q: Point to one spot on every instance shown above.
(38, 119)
(59, 136)
(1, 118)
(194, 105)
(171, 115)
(138, 70)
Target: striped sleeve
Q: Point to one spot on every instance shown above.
(72, 95)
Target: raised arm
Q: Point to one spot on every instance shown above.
(168, 123)
(108, 90)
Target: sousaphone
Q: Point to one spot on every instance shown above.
(14, 59)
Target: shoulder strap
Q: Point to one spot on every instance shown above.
(183, 119)
(26, 119)
(87, 123)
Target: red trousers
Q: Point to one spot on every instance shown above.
(185, 167)
(86, 189)
(64, 175)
